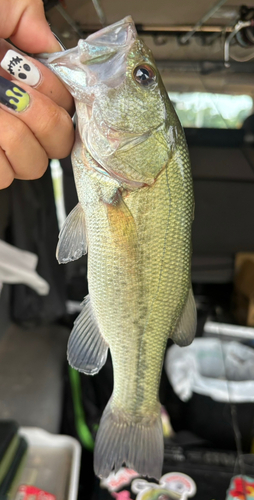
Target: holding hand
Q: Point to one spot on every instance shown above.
(35, 107)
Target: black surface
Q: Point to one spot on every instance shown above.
(10, 476)
(33, 227)
(212, 420)
(224, 218)
(8, 429)
(216, 137)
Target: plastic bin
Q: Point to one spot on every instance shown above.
(52, 463)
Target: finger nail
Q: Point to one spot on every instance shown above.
(12, 96)
(20, 68)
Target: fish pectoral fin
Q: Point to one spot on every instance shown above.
(122, 224)
(72, 237)
(187, 324)
(87, 350)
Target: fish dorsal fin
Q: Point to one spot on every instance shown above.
(187, 324)
(72, 238)
(87, 350)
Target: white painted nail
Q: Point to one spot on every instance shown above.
(20, 68)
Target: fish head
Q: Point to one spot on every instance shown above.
(125, 118)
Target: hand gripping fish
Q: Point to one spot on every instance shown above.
(134, 215)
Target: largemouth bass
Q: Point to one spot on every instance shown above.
(135, 211)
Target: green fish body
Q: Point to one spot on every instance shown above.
(135, 211)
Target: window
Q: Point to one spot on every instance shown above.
(201, 109)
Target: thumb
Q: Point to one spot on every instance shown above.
(27, 26)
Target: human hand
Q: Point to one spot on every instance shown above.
(35, 107)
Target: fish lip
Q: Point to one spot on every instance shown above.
(127, 21)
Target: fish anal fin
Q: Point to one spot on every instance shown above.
(72, 237)
(87, 350)
(187, 324)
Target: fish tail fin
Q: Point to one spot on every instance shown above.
(137, 445)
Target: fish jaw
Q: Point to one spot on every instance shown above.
(104, 52)
(112, 151)
(99, 59)
(118, 119)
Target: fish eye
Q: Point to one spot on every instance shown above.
(144, 75)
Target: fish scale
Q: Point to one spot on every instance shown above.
(133, 180)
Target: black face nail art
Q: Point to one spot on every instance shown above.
(13, 62)
(21, 68)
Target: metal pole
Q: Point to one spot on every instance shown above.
(184, 39)
(70, 21)
(100, 13)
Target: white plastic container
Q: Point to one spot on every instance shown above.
(221, 370)
(52, 463)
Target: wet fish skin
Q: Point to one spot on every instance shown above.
(133, 179)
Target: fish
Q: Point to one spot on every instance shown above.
(133, 218)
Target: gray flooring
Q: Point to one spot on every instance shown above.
(31, 381)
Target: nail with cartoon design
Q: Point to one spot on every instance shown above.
(20, 68)
(12, 96)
